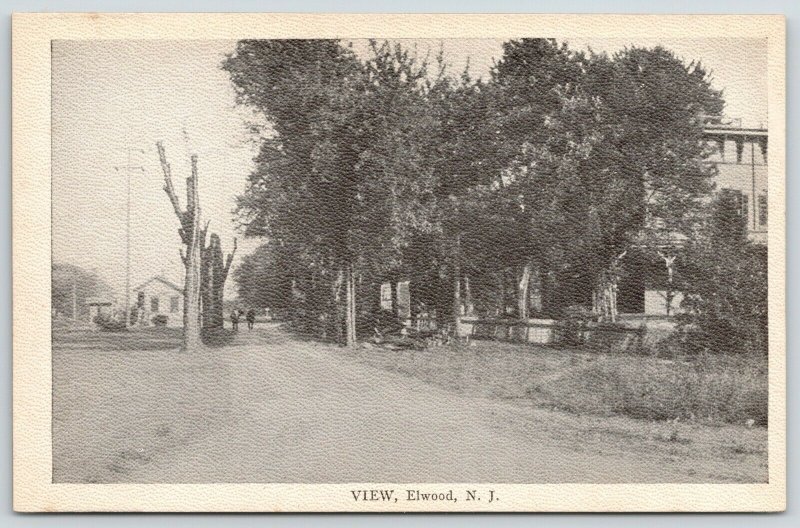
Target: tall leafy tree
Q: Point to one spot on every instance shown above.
(544, 129)
(339, 176)
(70, 287)
(301, 193)
(465, 156)
(657, 105)
(607, 152)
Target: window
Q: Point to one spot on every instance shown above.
(174, 302)
(735, 202)
(762, 210)
(386, 296)
(154, 304)
(731, 214)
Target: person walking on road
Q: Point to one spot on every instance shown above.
(251, 319)
(235, 320)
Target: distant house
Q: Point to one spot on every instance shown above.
(99, 306)
(159, 296)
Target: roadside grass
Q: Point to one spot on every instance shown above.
(89, 337)
(710, 389)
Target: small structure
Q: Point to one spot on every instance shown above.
(159, 297)
(101, 306)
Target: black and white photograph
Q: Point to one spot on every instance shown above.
(540, 259)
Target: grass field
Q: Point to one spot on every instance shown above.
(704, 390)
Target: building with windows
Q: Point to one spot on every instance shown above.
(740, 157)
(741, 160)
(644, 287)
(159, 296)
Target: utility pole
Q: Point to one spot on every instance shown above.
(74, 298)
(128, 168)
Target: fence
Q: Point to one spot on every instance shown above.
(549, 331)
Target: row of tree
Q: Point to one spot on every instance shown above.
(551, 170)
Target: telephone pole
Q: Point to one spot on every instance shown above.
(75, 298)
(128, 168)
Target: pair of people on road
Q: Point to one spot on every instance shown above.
(236, 314)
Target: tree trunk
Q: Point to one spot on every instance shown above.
(190, 234)
(214, 271)
(605, 304)
(191, 289)
(205, 286)
(339, 316)
(602, 304)
(218, 276)
(669, 261)
(457, 287)
(395, 305)
(468, 304)
(535, 289)
(350, 313)
(500, 308)
(613, 296)
(522, 290)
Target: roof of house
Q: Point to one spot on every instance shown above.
(735, 131)
(162, 280)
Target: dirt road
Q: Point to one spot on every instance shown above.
(271, 408)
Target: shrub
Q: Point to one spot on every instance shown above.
(160, 320)
(709, 389)
(573, 323)
(725, 282)
(109, 324)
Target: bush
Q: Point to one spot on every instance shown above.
(109, 324)
(725, 285)
(709, 389)
(160, 320)
(573, 322)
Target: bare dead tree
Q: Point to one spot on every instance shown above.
(214, 270)
(193, 239)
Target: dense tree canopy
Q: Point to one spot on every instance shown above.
(73, 284)
(386, 166)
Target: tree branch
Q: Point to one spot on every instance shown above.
(169, 188)
(203, 234)
(229, 261)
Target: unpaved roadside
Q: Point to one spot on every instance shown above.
(272, 408)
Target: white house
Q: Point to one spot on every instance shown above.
(159, 296)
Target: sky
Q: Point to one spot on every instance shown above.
(112, 100)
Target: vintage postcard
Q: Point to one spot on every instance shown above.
(383, 263)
